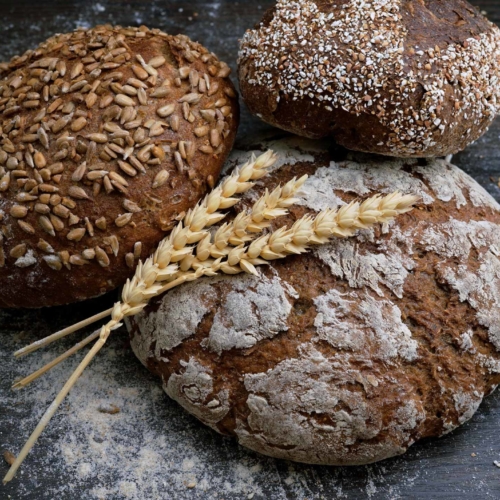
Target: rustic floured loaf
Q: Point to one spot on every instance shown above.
(107, 136)
(407, 78)
(350, 354)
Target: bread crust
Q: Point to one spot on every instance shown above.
(402, 78)
(349, 354)
(107, 136)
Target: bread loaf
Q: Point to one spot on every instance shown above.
(107, 136)
(350, 354)
(406, 78)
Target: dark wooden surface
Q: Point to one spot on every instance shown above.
(459, 465)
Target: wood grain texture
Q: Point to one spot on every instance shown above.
(444, 468)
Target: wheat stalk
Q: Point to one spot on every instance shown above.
(204, 214)
(267, 208)
(162, 266)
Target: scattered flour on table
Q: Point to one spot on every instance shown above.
(151, 448)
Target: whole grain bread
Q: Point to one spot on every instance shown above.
(107, 136)
(407, 78)
(351, 353)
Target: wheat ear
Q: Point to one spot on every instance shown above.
(243, 228)
(203, 215)
(146, 284)
(162, 266)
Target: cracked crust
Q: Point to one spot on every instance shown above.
(350, 354)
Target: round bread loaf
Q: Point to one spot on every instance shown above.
(351, 353)
(396, 77)
(107, 136)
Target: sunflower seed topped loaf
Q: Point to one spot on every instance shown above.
(107, 137)
(396, 77)
(350, 353)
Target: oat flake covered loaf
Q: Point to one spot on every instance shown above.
(107, 136)
(407, 78)
(351, 353)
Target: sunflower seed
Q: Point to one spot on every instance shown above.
(79, 173)
(191, 98)
(202, 131)
(124, 100)
(119, 187)
(112, 241)
(158, 152)
(112, 113)
(77, 260)
(23, 197)
(5, 182)
(139, 72)
(76, 70)
(101, 223)
(156, 130)
(39, 160)
(43, 137)
(18, 251)
(128, 114)
(19, 211)
(166, 110)
(56, 222)
(129, 90)
(194, 78)
(182, 149)
(208, 150)
(42, 208)
(157, 61)
(53, 261)
(61, 211)
(47, 188)
(73, 219)
(89, 226)
(78, 124)
(114, 176)
(88, 253)
(107, 185)
(184, 72)
(61, 123)
(102, 257)
(46, 225)
(78, 193)
(123, 220)
(215, 138)
(127, 168)
(160, 179)
(129, 260)
(208, 115)
(137, 249)
(54, 105)
(76, 234)
(96, 174)
(55, 199)
(178, 161)
(160, 92)
(56, 168)
(67, 202)
(98, 138)
(105, 101)
(175, 123)
(44, 246)
(214, 87)
(131, 206)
